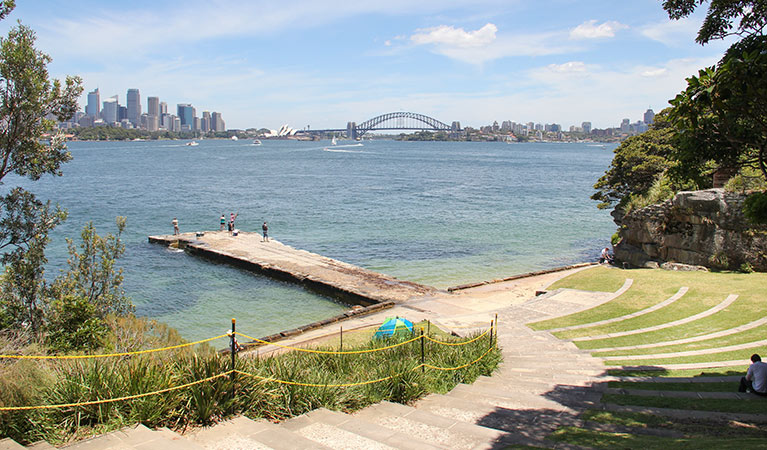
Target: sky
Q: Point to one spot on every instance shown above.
(323, 63)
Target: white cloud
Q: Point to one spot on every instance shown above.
(590, 30)
(568, 67)
(673, 32)
(654, 72)
(455, 37)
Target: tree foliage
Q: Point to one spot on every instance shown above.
(638, 162)
(721, 17)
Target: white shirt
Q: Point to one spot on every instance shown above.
(757, 373)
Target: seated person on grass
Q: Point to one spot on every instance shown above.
(755, 380)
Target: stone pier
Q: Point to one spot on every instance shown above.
(347, 282)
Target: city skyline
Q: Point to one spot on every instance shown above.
(324, 63)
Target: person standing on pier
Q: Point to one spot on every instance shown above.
(232, 216)
(223, 221)
(175, 226)
(265, 228)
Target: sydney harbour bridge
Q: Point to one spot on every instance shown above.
(400, 120)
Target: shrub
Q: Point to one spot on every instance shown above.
(615, 239)
(748, 179)
(755, 207)
(745, 268)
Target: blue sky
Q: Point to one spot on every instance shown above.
(322, 62)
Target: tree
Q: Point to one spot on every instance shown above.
(92, 275)
(28, 99)
(637, 164)
(720, 16)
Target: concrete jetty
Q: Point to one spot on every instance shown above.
(347, 282)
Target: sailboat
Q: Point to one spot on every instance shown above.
(333, 141)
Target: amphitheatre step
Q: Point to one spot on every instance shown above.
(725, 303)
(734, 379)
(10, 444)
(343, 431)
(679, 394)
(704, 337)
(706, 351)
(562, 302)
(244, 433)
(41, 445)
(438, 430)
(687, 413)
(701, 365)
(137, 437)
(557, 398)
(683, 290)
(613, 428)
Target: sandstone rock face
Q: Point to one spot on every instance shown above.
(700, 228)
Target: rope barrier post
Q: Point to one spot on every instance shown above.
(428, 327)
(234, 356)
(342, 340)
(491, 335)
(496, 328)
(423, 360)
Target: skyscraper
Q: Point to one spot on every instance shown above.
(217, 122)
(134, 106)
(94, 103)
(205, 123)
(153, 106)
(163, 108)
(186, 113)
(586, 127)
(110, 110)
(649, 116)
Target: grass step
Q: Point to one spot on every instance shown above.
(679, 413)
(660, 380)
(754, 406)
(432, 428)
(679, 394)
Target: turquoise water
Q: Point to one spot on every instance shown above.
(435, 213)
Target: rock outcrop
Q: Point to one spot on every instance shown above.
(702, 228)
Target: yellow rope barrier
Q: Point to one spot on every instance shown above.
(459, 367)
(110, 355)
(223, 374)
(296, 383)
(328, 352)
(458, 343)
(109, 400)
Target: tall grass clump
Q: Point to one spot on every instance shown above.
(311, 381)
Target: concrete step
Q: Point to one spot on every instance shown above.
(437, 430)
(138, 437)
(343, 431)
(10, 444)
(533, 423)
(576, 397)
(41, 445)
(244, 433)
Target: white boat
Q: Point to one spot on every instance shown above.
(256, 142)
(192, 144)
(333, 141)
(234, 138)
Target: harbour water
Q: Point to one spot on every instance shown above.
(436, 213)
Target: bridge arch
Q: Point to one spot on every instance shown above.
(403, 120)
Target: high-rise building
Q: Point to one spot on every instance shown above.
(625, 125)
(122, 113)
(163, 108)
(217, 122)
(134, 106)
(153, 106)
(186, 113)
(205, 122)
(110, 110)
(94, 103)
(649, 116)
(586, 127)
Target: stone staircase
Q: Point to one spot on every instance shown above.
(542, 384)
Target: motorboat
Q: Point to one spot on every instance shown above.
(235, 138)
(192, 144)
(256, 142)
